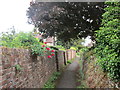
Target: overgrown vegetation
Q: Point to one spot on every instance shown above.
(108, 41)
(20, 40)
(6, 39)
(69, 61)
(51, 82)
(18, 67)
(25, 40)
(37, 49)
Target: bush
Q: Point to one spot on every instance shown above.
(69, 61)
(18, 40)
(108, 41)
(21, 40)
(78, 53)
(27, 41)
(37, 49)
(24, 40)
(6, 39)
(84, 50)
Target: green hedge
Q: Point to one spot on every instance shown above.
(108, 41)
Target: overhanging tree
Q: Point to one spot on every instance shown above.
(66, 20)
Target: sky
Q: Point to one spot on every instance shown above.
(13, 13)
(87, 41)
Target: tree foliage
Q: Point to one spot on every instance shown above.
(19, 40)
(66, 20)
(6, 39)
(108, 41)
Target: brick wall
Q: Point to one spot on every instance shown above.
(34, 70)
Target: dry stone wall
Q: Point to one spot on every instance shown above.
(20, 69)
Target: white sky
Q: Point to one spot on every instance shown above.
(87, 41)
(13, 13)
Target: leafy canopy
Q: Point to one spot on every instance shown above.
(66, 20)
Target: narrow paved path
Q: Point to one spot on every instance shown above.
(68, 79)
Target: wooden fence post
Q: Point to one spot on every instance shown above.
(56, 59)
(64, 58)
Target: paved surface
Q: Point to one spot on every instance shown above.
(68, 79)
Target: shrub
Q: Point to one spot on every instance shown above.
(108, 41)
(78, 53)
(6, 39)
(37, 49)
(18, 40)
(69, 61)
(85, 49)
(24, 40)
(27, 41)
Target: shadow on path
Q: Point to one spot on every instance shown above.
(68, 79)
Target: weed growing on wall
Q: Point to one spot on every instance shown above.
(18, 67)
(108, 40)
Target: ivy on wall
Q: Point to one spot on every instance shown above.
(108, 40)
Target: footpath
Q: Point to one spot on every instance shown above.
(68, 78)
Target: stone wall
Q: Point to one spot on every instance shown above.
(20, 69)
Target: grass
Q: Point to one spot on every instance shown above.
(51, 82)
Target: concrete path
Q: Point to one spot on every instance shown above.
(68, 79)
